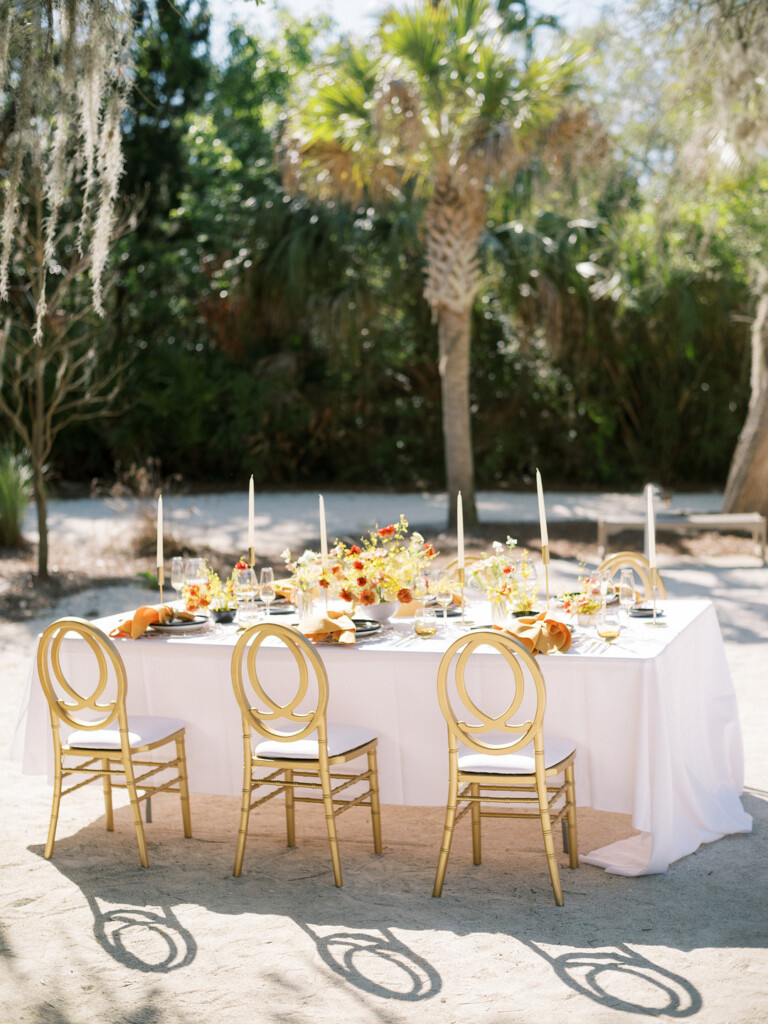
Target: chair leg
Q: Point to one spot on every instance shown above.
(245, 811)
(330, 824)
(573, 841)
(57, 783)
(107, 781)
(445, 848)
(139, 825)
(290, 809)
(186, 816)
(375, 807)
(549, 842)
(477, 851)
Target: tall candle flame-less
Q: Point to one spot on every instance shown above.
(323, 536)
(460, 549)
(544, 533)
(650, 526)
(159, 560)
(251, 557)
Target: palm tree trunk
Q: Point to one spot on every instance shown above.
(453, 332)
(747, 486)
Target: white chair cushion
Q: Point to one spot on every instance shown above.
(519, 763)
(142, 729)
(341, 739)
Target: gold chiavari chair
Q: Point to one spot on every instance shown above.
(295, 745)
(640, 564)
(101, 740)
(495, 761)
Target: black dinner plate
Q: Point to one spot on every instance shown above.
(644, 611)
(365, 626)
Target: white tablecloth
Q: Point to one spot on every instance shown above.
(653, 715)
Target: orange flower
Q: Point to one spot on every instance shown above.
(404, 596)
(367, 597)
(346, 595)
(354, 550)
(361, 581)
(358, 564)
(324, 583)
(387, 531)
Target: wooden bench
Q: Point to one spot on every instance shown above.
(686, 523)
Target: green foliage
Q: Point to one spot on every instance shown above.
(15, 492)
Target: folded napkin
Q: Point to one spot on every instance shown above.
(541, 635)
(332, 627)
(409, 609)
(147, 615)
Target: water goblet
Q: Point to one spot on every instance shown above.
(267, 588)
(444, 594)
(178, 574)
(244, 586)
(626, 590)
(196, 581)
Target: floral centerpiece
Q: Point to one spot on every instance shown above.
(507, 579)
(378, 570)
(211, 593)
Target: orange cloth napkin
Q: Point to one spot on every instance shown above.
(145, 616)
(541, 635)
(333, 627)
(409, 609)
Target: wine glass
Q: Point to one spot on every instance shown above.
(178, 574)
(195, 579)
(627, 590)
(267, 588)
(608, 625)
(444, 594)
(244, 587)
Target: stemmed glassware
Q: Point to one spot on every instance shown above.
(444, 594)
(267, 588)
(627, 590)
(178, 574)
(244, 586)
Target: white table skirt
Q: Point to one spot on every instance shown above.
(653, 715)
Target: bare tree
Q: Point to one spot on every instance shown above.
(55, 367)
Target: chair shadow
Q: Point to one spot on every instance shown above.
(346, 952)
(121, 930)
(585, 970)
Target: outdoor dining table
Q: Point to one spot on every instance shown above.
(653, 715)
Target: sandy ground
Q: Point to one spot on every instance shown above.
(91, 938)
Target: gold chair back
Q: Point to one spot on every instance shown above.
(640, 564)
(49, 669)
(453, 668)
(267, 709)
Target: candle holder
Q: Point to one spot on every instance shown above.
(251, 558)
(545, 560)
(160, 580)
(654, 589)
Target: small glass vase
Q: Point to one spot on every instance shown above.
(499, 612)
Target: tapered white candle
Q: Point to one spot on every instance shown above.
(650, 526)
(542, 511)
(323, 535)
(159, 531)
(459, 532)
(250, 514)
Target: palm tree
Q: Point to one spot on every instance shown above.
(441, 107)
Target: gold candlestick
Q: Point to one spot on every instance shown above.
(160, 580)
(251, 557)
(545, 560)
(654, 575)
